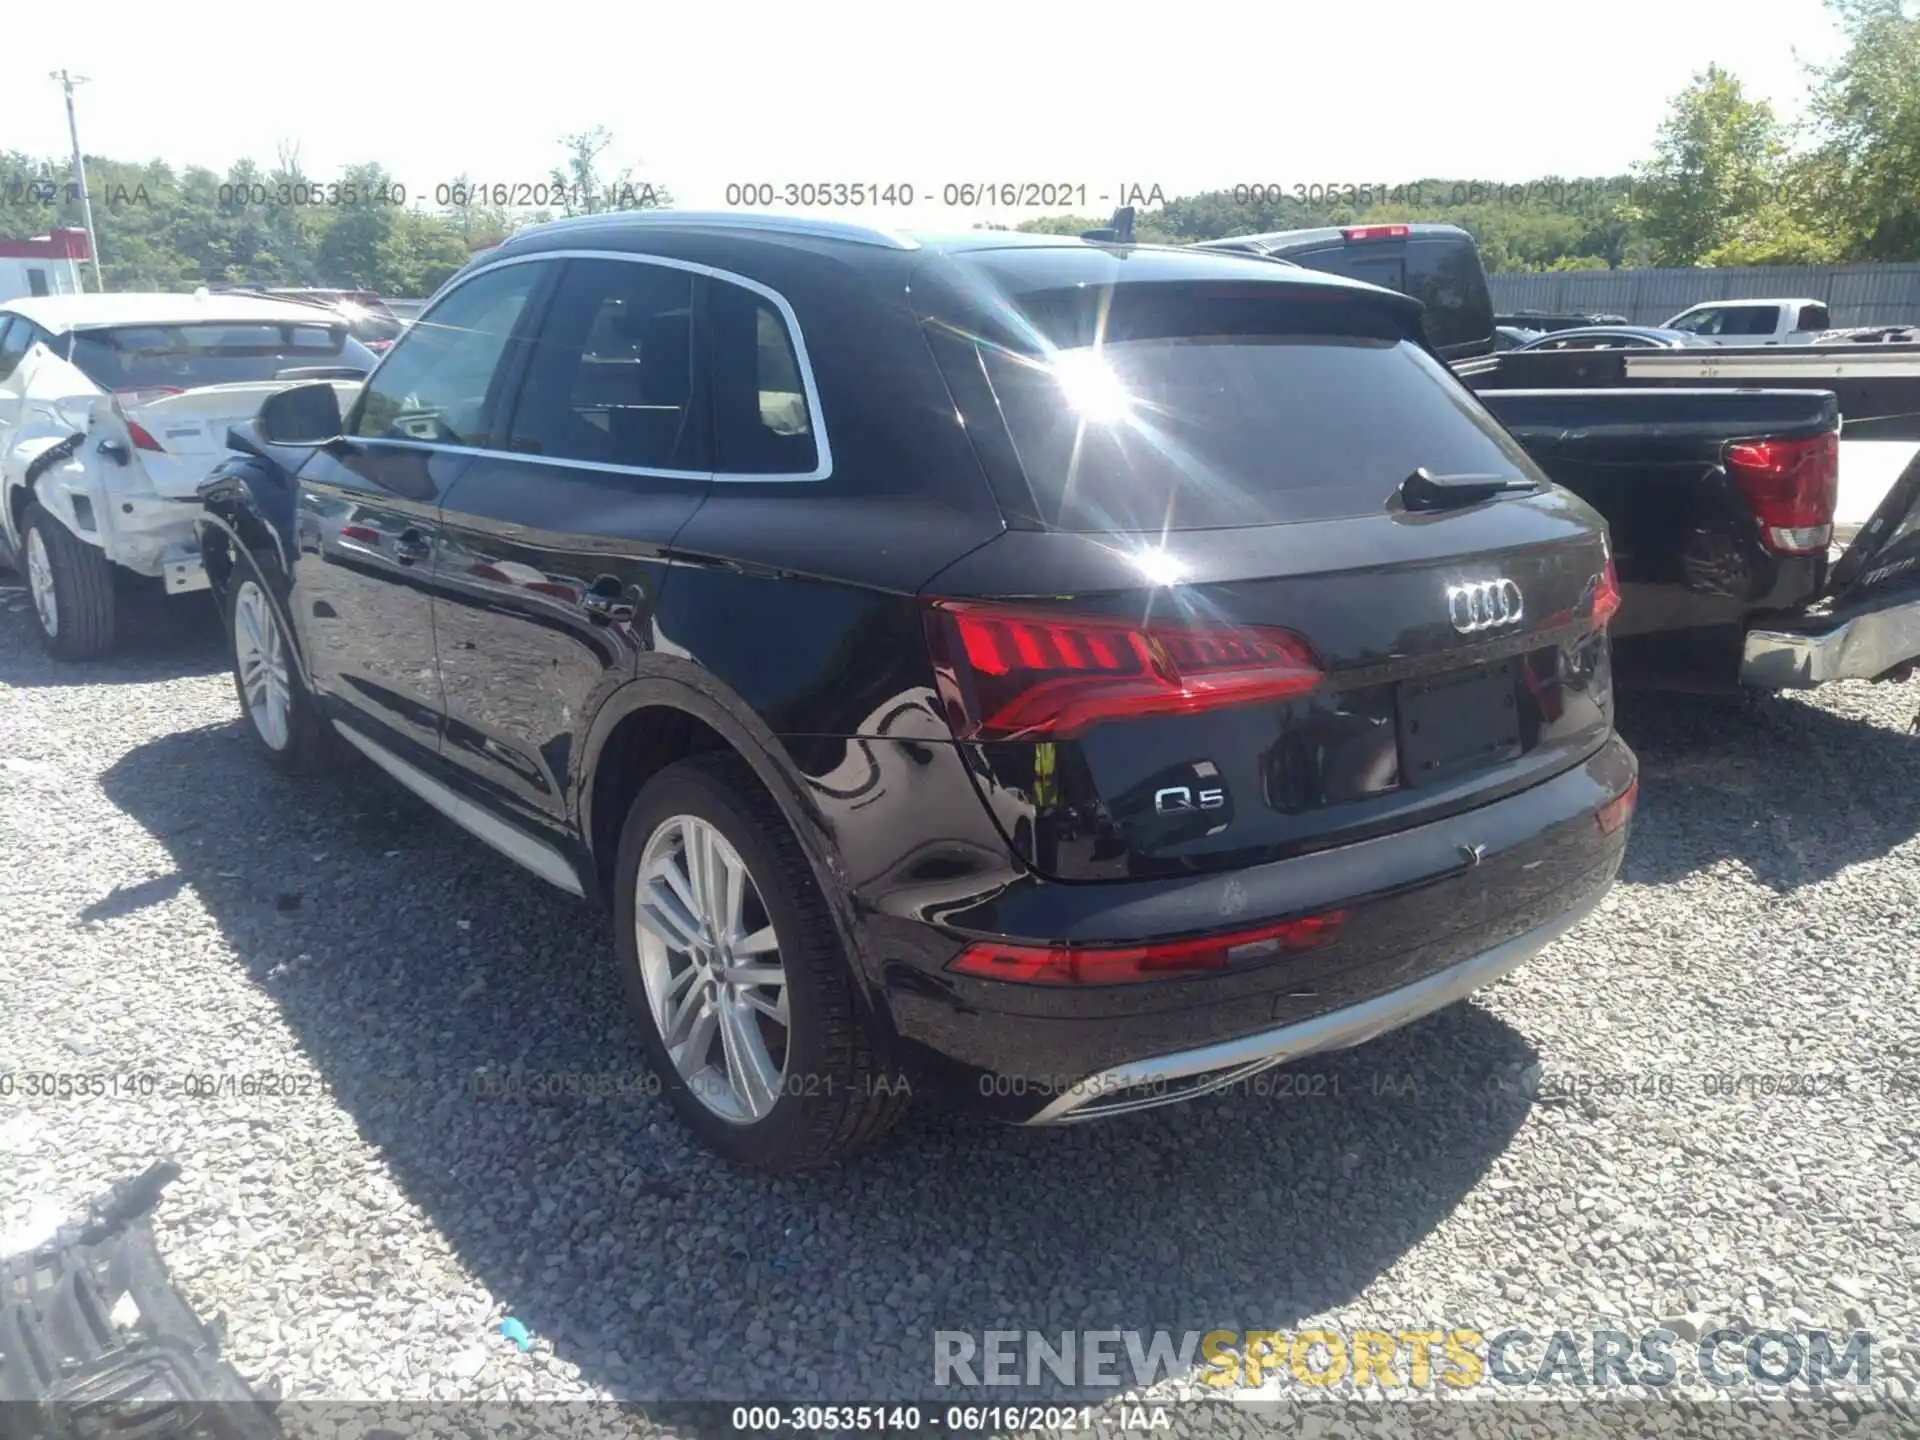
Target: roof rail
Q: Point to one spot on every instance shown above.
(731, 220)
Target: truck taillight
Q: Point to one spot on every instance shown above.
(1606, 597)
(1792, 487)
(1008, 673)
(1375, 232)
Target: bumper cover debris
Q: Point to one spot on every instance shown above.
(96, 1341)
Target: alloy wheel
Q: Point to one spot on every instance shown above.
(261, 658)
(46, 602)
(710, 964)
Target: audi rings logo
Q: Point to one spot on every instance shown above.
(1484, 605)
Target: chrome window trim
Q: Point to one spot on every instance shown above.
(823, 466)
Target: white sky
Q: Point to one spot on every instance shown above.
(1185, 96)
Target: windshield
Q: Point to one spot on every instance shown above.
(186, 357)
(1257, 416)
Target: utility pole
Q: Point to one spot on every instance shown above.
(67, 82)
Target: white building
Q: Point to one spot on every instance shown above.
(44, 265)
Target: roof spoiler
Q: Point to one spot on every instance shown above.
(1119, 231)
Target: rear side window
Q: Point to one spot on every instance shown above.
(185, 357)
(762, 424)
(1196, 414)
(1814, 317)
(1753, 320)
(611, 376)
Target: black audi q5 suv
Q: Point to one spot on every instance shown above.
(1071, 676)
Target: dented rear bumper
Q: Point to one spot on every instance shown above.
(1860, 642)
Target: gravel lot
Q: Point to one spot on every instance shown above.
(170, 907)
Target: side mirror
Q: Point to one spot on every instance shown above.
(302, 415)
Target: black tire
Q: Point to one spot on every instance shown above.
(83, 625)
(307, 745)
(839, 1090)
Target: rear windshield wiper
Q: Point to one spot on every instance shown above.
(1423, 490)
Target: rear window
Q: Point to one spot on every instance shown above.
(1443, 275)
(135, 357)
(1198, 415)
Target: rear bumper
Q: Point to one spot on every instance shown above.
(1431, 913)
(1190, 1073)
(1859, 643)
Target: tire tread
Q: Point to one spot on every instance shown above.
(82, 586)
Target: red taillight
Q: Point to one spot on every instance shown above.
(141, 436)
(1374, 232)
(1617, 811)
(1606, 597)
(1119, 964)
(1792, 487)
(1007, 674)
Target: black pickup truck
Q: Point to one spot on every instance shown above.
(1719, 475)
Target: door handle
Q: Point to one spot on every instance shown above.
(606, 603)
(411, 546)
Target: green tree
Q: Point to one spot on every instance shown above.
(478, 225)
(587, 187)
(1718, 158)
(1866, 110)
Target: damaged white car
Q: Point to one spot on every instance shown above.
(113, 408)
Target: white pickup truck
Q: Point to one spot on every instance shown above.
(113, 409)
(1753, 322)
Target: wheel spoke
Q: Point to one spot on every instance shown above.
(681, 1009)
(690, 1054)
(732, 892)
(761, 942)
(673, 874)
(693, 855)
(775, 1010)
(749, 1068)
(660, 909)
(754, 975)
(712, 877)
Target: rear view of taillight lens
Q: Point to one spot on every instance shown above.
(1165, 960)
(141, 436)
(1617, 811)
(1008, 674)
(1792, 487)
